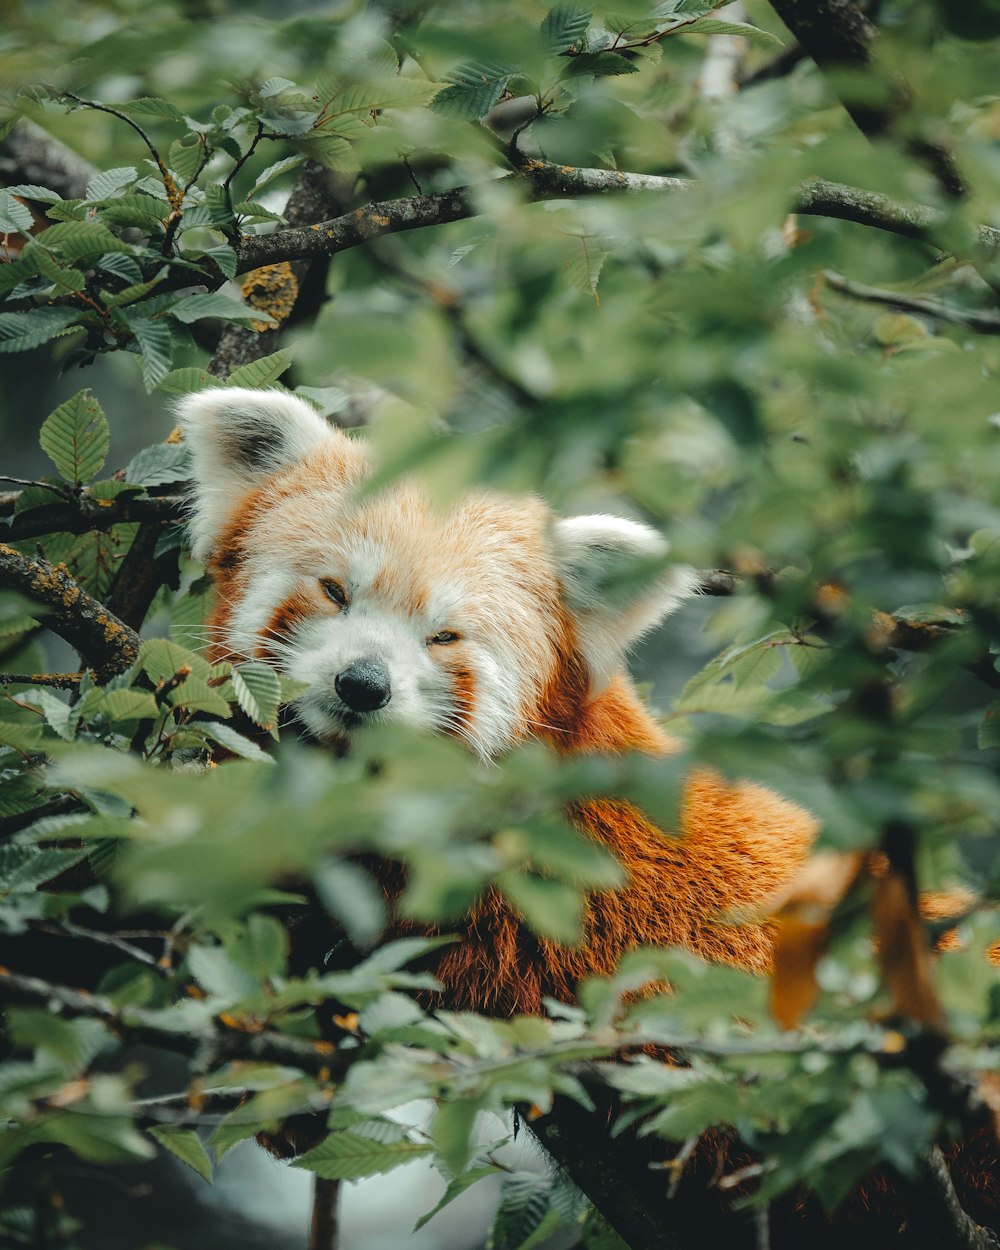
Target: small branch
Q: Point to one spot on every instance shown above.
(105, 643)
(136, 1024)
(66, 928)
(323, 1227)
(84, 513)
(935, 1213)
(56, 681)
(973, 319)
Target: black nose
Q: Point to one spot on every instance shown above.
(364, 686)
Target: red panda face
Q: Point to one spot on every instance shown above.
(388, 611)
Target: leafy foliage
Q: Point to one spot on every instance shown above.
(692, 352)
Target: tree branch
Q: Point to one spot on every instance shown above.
(136, 1024)
(30, 154)
(817, 197)
(981, 321)
(83, 513)
(107, 644)
(935, 1214)
(838, 35)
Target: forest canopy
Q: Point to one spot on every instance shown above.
(731, 271)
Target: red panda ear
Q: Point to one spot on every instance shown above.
(237, 437)
(616, 584)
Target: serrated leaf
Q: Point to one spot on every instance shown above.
(151, 106)
(156, 347)
(212, 304)
(258, 692)
(230, 738)
(184, 1144)
(475, 87)
(348, 1157)
(161, 463)
(456, 1188)
(224, 256)
(60, 716)
(263, 372)
(160, 659)
(15, 217)
(198, 696)
(75, 437)
(122, 705)
(32, 191)
(122, 265)
(75, 240)
(564, 27)
(451, 1132)
(143, 211)
(24, 867)
(105, 185)
(272, 172)
(186, 381)
(184, 157)
(717, 26)
(21, 331)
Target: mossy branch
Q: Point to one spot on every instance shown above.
(104, 642)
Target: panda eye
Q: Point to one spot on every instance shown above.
(334, 591)
(443, 638)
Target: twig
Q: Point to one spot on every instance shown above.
(935, 1214)
(136, 1024)
(57, 681)
(982, 321)
(67, 929)
(107, 644)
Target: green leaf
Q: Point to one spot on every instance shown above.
(258, 692)
(186, 381)
(31, 191)
(151, 106)
(716, 26)
(224, 256)
(184, 1144)
(160, 659)
(348, 1157)
(185, 156)
(263, 372)
(552, 908)
(21, 331)
(272, 172)
(122, 266)
(24, 867)
(194, 307)
(15, 217)
(156, 347)
(451, 1132)
(226, 736)
(160, 464)
(76, 240)
(124, 705)
(145, 212)
(457, 1187)
(475, 88)
(262, 948)
(564, 27)
(350, 895)
(60, 716)
(75, 437)
(104, 186)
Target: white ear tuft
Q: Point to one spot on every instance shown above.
(238, 437)
(616, 585)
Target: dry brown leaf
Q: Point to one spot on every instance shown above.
(798, 948)
(903, 952)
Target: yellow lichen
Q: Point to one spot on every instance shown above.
(272, 289)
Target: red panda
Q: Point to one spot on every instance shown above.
(493, 623)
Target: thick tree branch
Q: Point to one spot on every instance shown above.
(935, 1213)
(83, 513)
(817, 197)
(107, 644)
(838, 35)
(30, 154)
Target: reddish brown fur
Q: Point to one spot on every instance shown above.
(735, 845)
